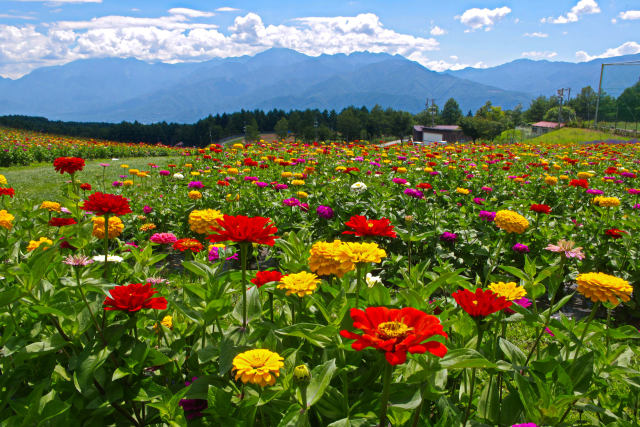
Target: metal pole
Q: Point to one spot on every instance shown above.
(595, 120)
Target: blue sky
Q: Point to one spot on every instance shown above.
(439, 35)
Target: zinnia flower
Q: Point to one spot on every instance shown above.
(579, 183)
(244, 229)
(50, 206)
(487, 216)
(567, 247)
(396, 332)
(511, 222)
(116, 227)
(259, 366)
(520, 248)
(354, 253)
(134, 297)
(35, 244)
(412, 192)
(264, 277)
(615, 233)
(163, 238)
(188, 244)
(68, 165)
(7, 192)
(324, 212)
(61, 222)
(201, 221)
(104, 204)
(545, 209)
(358, 187)
(481, 303)
(510, 290)
(606, 202)
(448, 236)
(78, 260)
(601, 287)
(363, 227)
(323, 259)
(6, 219)
(300, 284)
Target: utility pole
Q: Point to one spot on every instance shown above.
(595, 120)
(431, 110)
(561, 99)
(315, 126)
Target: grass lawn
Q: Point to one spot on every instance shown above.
(573, 135)
(41, 182)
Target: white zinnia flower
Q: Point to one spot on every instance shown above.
(110, 258)
(178, 176)
(358, 187)
(372, 280)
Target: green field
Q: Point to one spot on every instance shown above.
(41, 182)
(574, 135)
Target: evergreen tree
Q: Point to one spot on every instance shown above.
(451, 113)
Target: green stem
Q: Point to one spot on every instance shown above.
(606, 333)
(271, 306)
(359, 282)
(473, 372)
(386, 388)
(544, 328)
(106, 245)
(243, 260)
(595, 308)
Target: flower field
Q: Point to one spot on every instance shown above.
(20, 147)
(285, 284)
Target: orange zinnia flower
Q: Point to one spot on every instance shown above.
(396, 332)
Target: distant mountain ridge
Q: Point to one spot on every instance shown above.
(113, 90)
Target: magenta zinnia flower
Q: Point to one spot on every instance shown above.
(164, 238)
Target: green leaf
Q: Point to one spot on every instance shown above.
(9, 296)
(515, 272)
(515, 355)
(465, 358)
(320, 378)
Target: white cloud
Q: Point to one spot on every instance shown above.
(583, 7)
(538, 35)
(628, 48)
(476, 18)
(437, 31)
(539, 55)
(176, 38)
(9, 16)
(227, 9)
(191, 13)
(629, 15)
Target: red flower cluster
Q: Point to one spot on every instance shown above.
(363, 227)
(481, 303)
(103, 204)
(614, 233)
(396, 332)
(134, 297)
(61, 222)
(86, 186)
(245, 229)
(188, 244)
(7, 192)
(424, 186)
(222, 183)
(545, 209)
(579, 183)
(264, 277)
(69, 165)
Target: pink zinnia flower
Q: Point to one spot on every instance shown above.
(568, 248)
(164, 238)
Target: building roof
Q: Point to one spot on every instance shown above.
(551, 125)
(437, 127)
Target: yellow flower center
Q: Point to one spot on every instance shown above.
(393, 329)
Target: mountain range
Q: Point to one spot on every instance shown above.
(113, 89)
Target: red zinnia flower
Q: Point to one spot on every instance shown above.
(134, 297)
(69, 165)
(188, 244)
(396, 332)
(369, 227)
(242, 228)
(615, 233)
(7, 192)
(86, 186)
(424, 186)
(222, 183)
(103, 204)
(264, 277)
(481, 303)
(579, 183)
(546, 209)
(61, 222)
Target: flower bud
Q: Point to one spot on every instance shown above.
(301, 374)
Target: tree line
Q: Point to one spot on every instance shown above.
(349, 124)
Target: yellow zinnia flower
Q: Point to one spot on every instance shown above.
(200, 221)
(6, 219)
(601, 287)
(259, 366)
(460, 190)
(195, 195)
(354, 253)
(511, 222)
(550, 180)
(3, 180)
(510, 290)
(301, 284)
(606, 202)
(297, 182)
(147, 227)
(127, 182)
(116, 227)
(50, 206)
(323, 259)
(35, 244)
